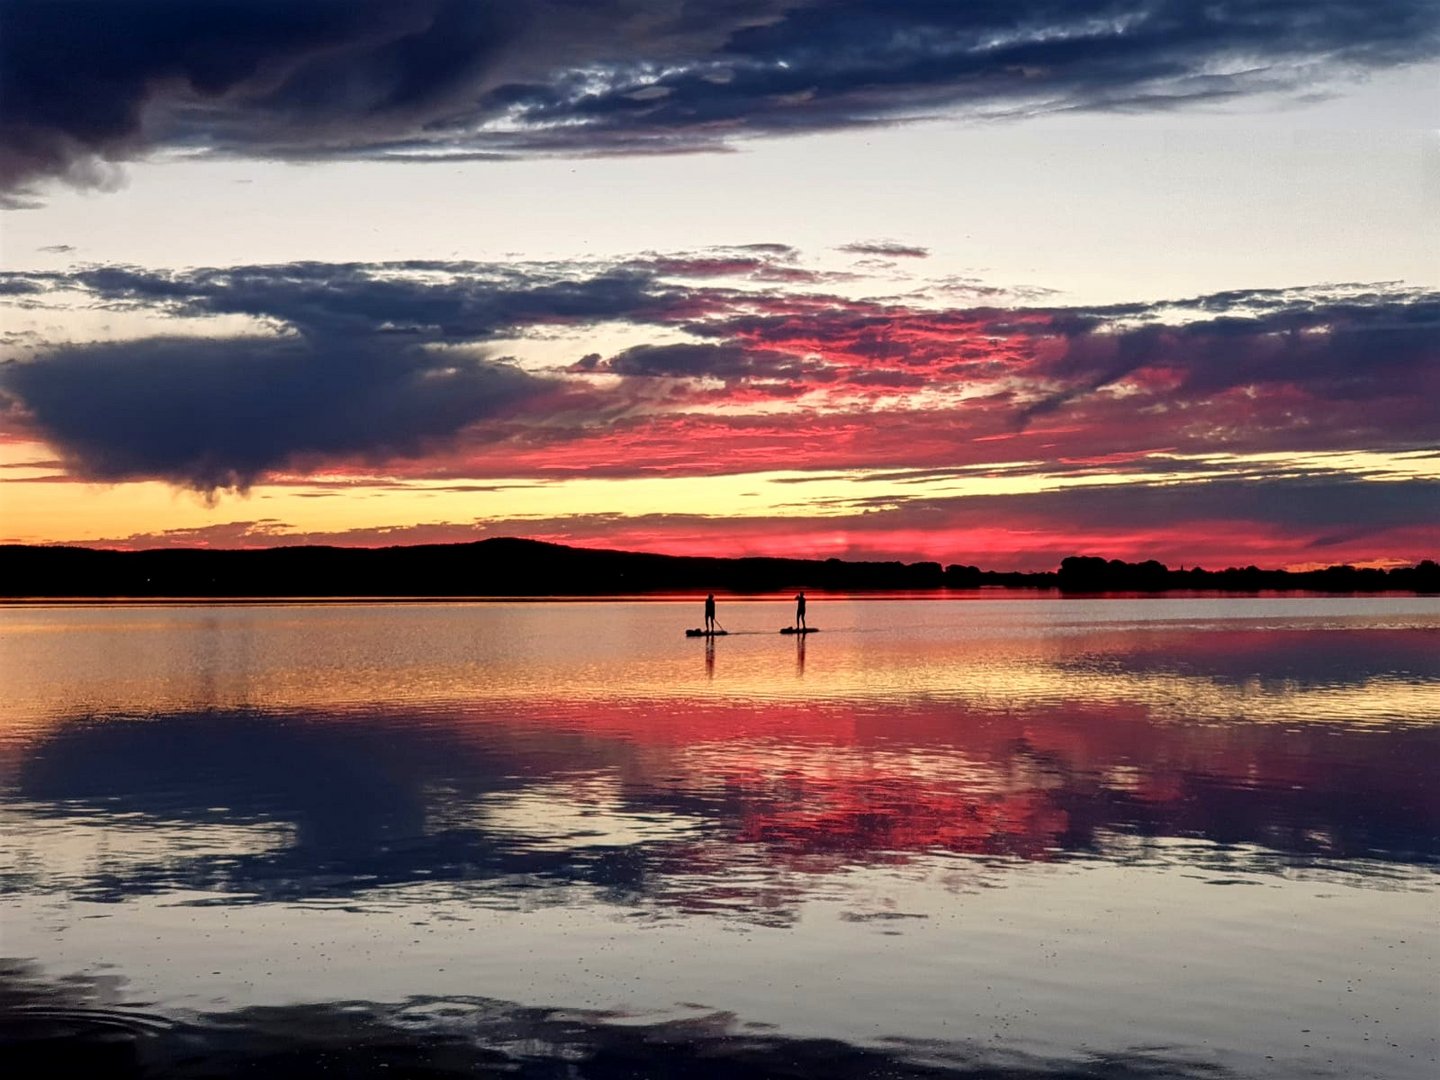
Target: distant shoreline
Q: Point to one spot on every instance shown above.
(936, 595)
(504, 569)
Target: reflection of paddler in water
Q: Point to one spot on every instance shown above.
(710, 613)
(710, 656)
(800, 655)
(800, 612)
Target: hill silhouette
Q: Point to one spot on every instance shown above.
(515, 567)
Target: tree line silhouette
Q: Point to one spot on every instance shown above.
(514, 567)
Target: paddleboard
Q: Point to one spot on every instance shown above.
(706, 633)
(805, 630)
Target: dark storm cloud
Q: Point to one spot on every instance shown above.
(350, 376)
(80, 80)
(208, 414)
(86, 83)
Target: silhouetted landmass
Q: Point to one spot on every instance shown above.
(514, 567)
(1087, 574)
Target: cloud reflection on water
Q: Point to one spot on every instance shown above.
(986, 824)
(50, 1025)
(697, 805)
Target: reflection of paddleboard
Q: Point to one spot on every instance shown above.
(706, 633)
(806, 630)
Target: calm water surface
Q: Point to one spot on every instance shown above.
(1013, 837)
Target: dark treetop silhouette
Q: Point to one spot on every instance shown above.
(514, 567)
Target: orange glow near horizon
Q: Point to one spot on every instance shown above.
(992, 517)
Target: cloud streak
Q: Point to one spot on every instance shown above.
(87, 85)
(432, 301)
(886, 249)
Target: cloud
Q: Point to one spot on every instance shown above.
(703, 266)
(1338, 343)
(1317, 360)
(57, 249)
(433, 301)
(87, 85)
(218, 414)
(782, 250)
(888, 249)
(749, 262)
(727, 362)
(1330, 348)
(820, 381)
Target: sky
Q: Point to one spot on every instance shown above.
(973, 282)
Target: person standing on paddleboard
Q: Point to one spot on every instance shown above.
(710, 623)
(800, 612)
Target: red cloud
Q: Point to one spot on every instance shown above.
(787, 379)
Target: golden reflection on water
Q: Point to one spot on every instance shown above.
(904, 725)
(332, 659)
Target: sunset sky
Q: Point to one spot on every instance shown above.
(976, 282)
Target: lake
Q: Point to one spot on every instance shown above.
(1003, 837)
